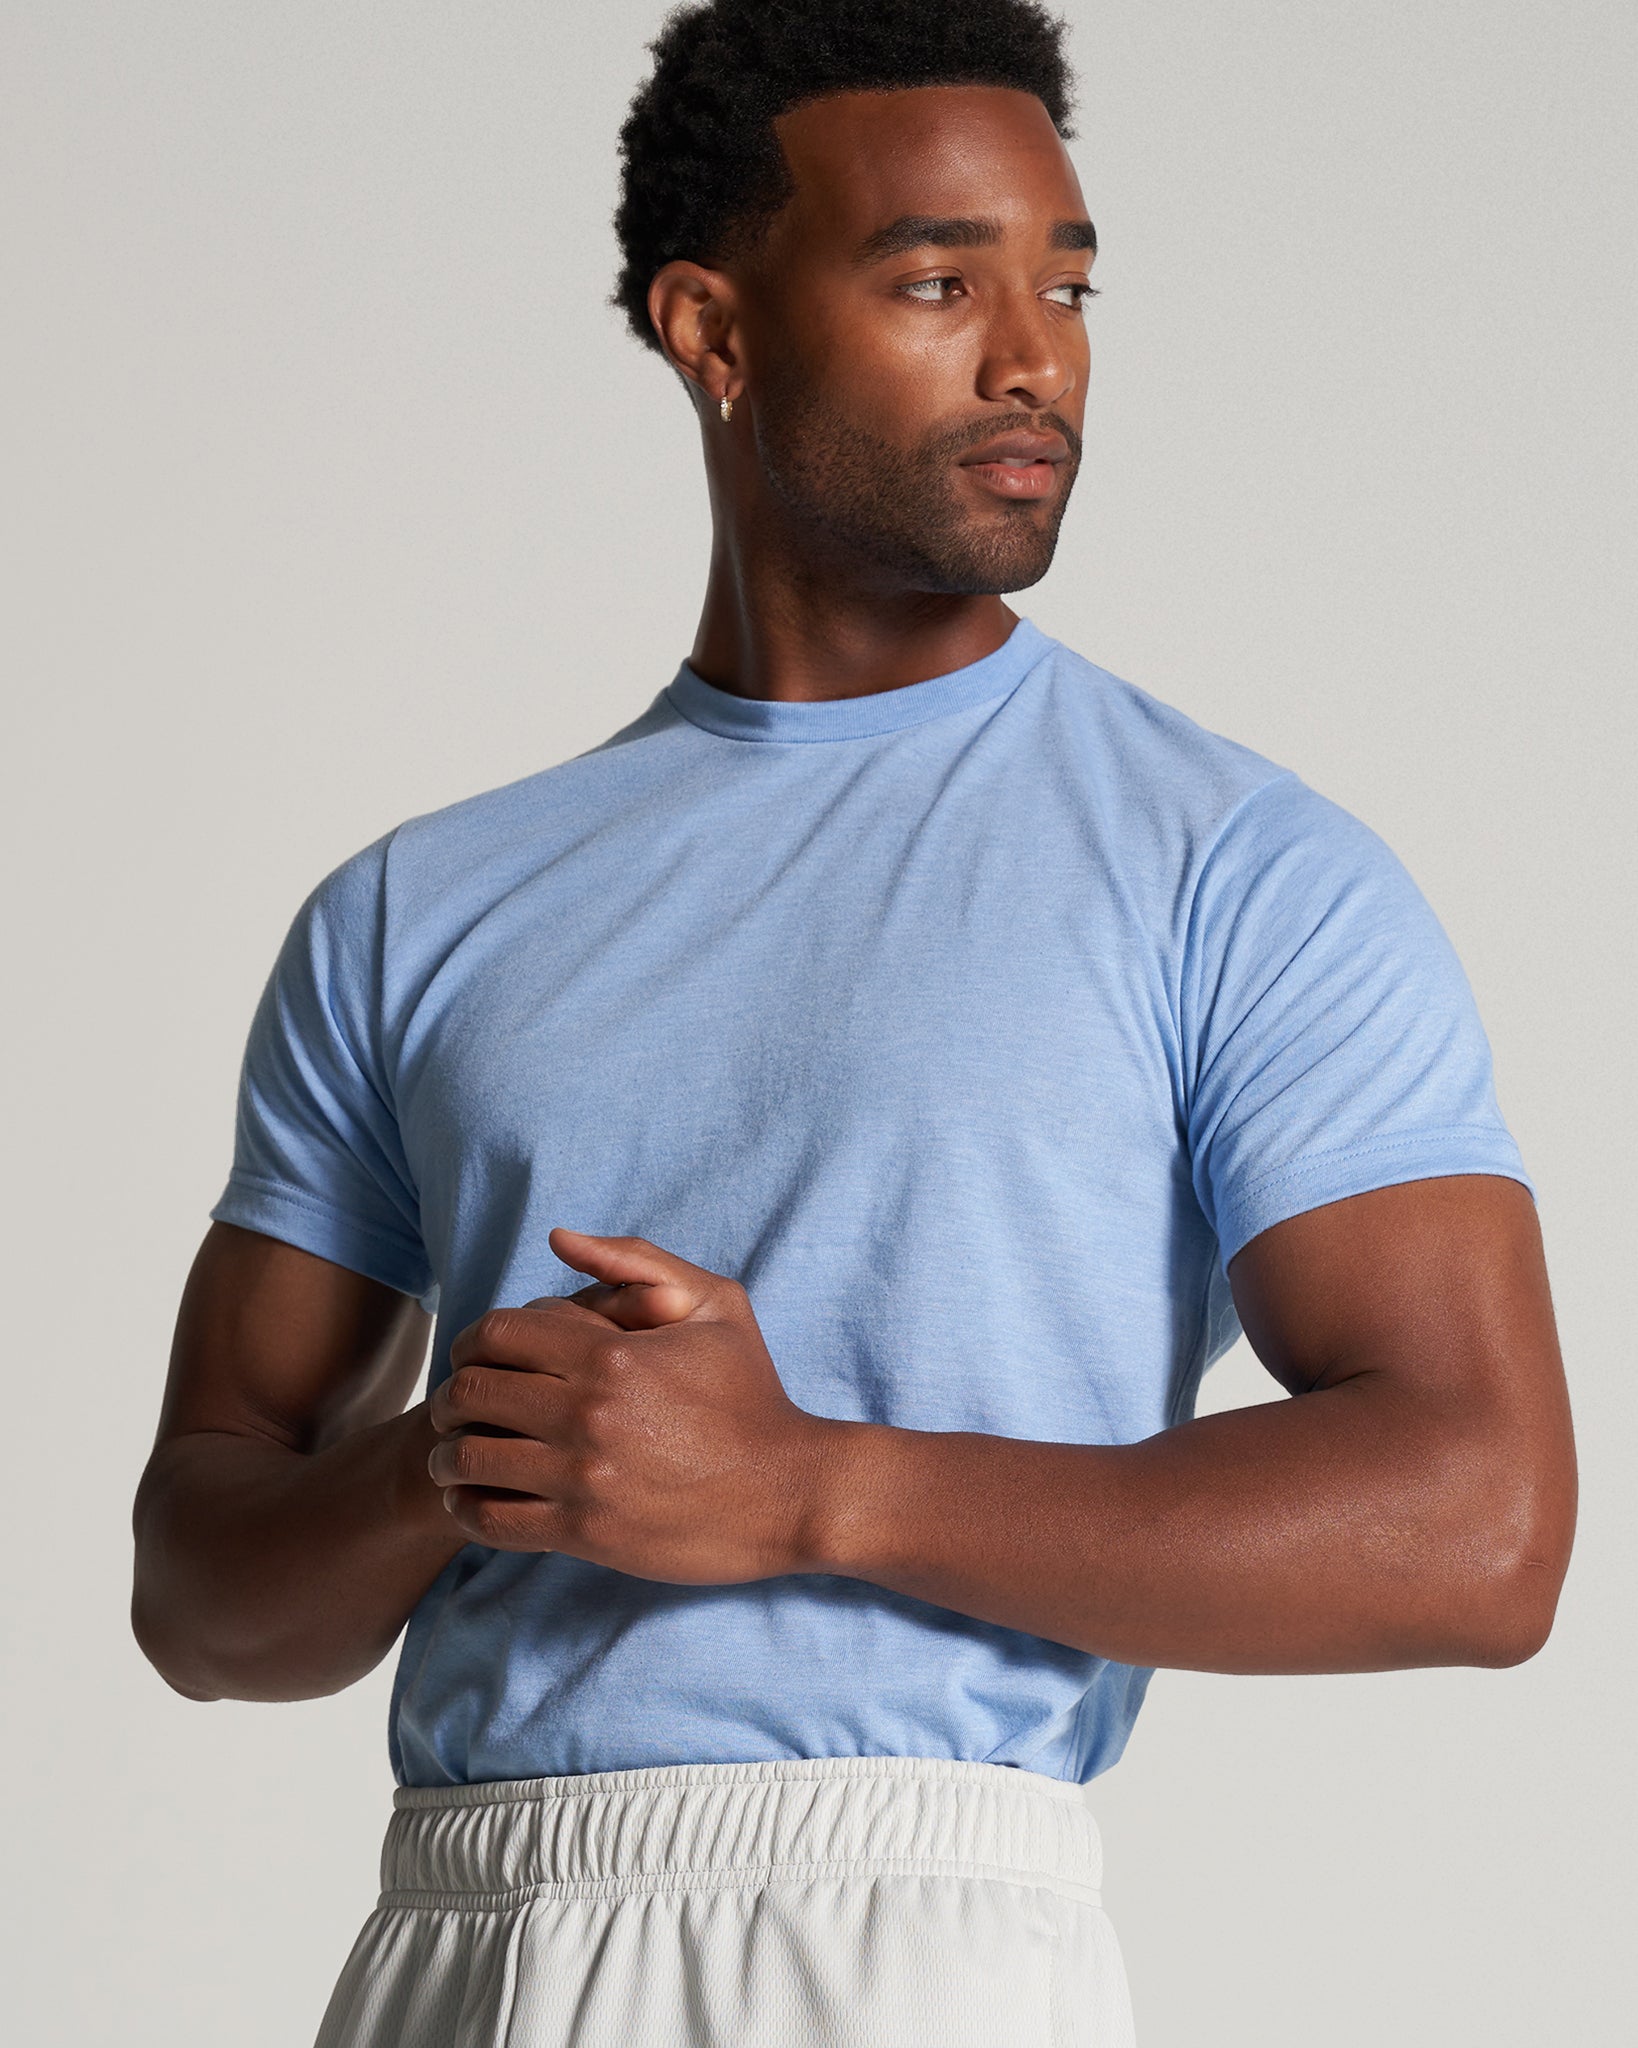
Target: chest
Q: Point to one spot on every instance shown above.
(714, 991)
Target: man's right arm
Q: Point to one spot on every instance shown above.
(286, 1524)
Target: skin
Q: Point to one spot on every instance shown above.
(851, 551)
(1412, 1504)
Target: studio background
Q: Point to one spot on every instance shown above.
(334, 492)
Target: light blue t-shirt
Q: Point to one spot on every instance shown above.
(974, 1026)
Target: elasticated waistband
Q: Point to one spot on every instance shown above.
(693, 1826)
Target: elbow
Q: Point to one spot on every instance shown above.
(208, 1641)
(234, 1665)
(154, 1617)
(227, 1661)
(177, 1659)
(1515, 1623)
(1518, 1555)
(230, 1655)
(233, 1671)
(159, 1655)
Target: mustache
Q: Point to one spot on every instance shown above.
(955, 442)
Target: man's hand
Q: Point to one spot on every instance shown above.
(639, 1424)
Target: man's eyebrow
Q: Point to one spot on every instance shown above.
(933, 231)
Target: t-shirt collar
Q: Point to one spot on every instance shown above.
(853, 718)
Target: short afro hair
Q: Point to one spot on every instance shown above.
(702, 172)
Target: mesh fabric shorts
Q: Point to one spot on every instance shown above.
(836, 1902)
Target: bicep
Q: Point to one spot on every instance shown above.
(1438, 1287)
(276, 1342)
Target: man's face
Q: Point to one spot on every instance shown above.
(918, 299)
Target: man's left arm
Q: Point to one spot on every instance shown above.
(1413, 1502)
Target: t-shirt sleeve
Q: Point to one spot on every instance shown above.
(318, 1159)
(1331, 1040)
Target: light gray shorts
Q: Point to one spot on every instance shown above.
(836, 1902)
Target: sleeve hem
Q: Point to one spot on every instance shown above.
(297, 1217)
(1310, 1183)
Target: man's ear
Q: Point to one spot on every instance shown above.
(694, 313)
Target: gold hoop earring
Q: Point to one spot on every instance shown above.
(727, 408)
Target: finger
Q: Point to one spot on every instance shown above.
(639, 1305)
(496, 1397)
(550, 1335)
(517, 1463)
(627, 1261)
(503, 1521)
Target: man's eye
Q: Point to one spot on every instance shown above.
(931, 291)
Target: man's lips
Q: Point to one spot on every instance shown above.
(1019, 465)
(1020, 446)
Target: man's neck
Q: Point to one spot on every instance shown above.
(799, 639)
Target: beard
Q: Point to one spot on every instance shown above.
(898, 509)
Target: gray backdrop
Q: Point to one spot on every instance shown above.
(335, 492)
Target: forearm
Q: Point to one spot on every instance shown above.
(1346, 1529)
(266, 1574)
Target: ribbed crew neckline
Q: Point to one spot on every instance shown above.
(856, 718)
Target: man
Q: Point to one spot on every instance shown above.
(932, 1050)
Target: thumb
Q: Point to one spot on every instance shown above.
(643, 1287)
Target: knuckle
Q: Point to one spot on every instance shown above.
(461, 1390)
(461, 1459)
(571, 1522)
(614, 1356)
(590, 1417)
(595, 1476)
(507, 1519)
(493, 1328)
(492, 1520)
